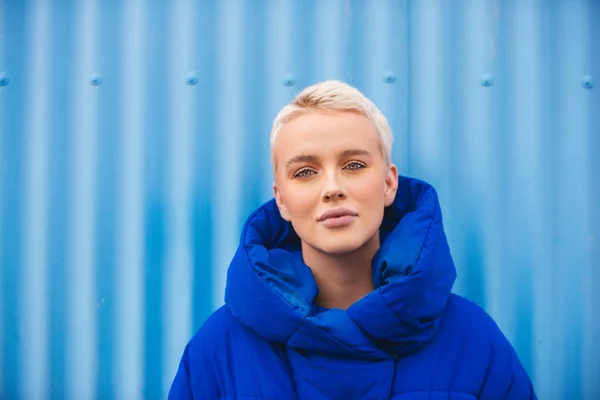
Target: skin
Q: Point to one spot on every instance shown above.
(330, 160)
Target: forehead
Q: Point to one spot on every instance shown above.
(325, 132)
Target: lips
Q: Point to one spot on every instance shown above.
(337, 218)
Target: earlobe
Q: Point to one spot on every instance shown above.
(390, 196)
(391, 184)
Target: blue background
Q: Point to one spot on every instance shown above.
(134, 143)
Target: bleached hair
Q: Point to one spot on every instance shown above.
(335, 96)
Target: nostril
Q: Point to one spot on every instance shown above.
(337, 195)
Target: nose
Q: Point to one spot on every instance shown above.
(333, 189)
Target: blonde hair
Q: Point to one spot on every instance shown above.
(335, 96)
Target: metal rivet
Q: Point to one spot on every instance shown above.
(389, 77)
(289, 80)
(4, 79)
(487, 79)
(191, 79)
(587, 82)
(96, 80)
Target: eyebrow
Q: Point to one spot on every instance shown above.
(314, 159)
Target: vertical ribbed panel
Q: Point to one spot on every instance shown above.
(231, 59)
(177, 274)
(33, 314)
(81, 295)
(133, 221)
(134, 143)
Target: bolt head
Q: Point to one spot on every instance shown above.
(587, 81)
(4, 79)
(289, 80)
(191, 79)
(487, 80)
(96, 80)
(389, 77)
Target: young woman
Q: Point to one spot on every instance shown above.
(341, 285)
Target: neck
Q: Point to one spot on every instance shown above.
(342, 279)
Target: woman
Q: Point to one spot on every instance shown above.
(341, 285)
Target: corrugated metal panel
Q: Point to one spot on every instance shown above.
(134, 142)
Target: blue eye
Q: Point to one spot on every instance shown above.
(354, 165)
(304, 173)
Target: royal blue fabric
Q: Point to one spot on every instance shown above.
(410, 338)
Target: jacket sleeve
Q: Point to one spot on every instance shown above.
(506, 378)
(198, 375)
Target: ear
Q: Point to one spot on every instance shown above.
(281, 203)
(391, 185)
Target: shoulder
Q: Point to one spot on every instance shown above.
(226, 358)
(225, 344)
(485, 352)
(468, 314)
(473, 327)
(220, 322)
(207, 358)
(198, 373)
(217, 335)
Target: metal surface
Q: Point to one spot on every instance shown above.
(134, 143)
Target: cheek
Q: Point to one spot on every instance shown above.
(371, 191)
(299, 202)
(373, 202)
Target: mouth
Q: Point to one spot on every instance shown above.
(337, 218)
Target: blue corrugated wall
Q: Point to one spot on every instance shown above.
(134, 142)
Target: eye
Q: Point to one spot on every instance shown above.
(304, 173)
(355, 165)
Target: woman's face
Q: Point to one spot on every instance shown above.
(331, 180)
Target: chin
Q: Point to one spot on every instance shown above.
(340, 246)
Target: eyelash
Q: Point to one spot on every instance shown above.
(358, 165)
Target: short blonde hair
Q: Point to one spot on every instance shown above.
(335, 96)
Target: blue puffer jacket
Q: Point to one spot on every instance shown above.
(408, 339)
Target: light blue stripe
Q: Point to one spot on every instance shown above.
(330, 37)
(397, 107)
(573, 179)
(229, 132)
(280, 24)
(2, 173)
(590, 29)
(2, 178)
(524, 170)
(82, 303)
(547, 374)
(474, 130)
(427, 153)
(592, 325)
(177, 282)
(520, 213)
(374, 56)
(34, 381)
(129, 272)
